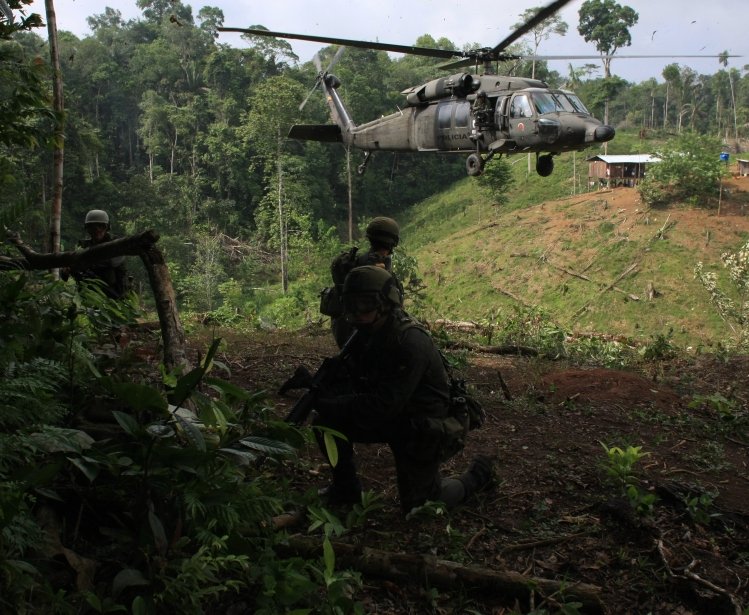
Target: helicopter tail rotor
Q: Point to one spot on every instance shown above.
(321, 73)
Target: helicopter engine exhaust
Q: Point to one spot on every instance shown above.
(460, 84)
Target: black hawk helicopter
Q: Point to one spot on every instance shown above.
(481, 115)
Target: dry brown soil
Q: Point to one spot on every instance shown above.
(553, 514)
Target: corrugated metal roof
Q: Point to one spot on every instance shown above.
(626, 159)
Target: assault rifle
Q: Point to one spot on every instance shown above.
(305, 404)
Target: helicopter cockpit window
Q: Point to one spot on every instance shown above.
(571, 102)
(546, 102)
(520, 107)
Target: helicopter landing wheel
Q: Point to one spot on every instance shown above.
(474, 165)
(545, 165)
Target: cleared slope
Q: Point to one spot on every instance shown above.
(595, 262)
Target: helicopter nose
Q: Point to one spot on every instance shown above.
(604, 133)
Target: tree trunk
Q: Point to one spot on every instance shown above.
(172, 333)
(58, 106)
(282, 229)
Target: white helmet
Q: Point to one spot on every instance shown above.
(97, 216)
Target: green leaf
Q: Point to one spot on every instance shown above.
(127, 422)
(267, 446)
(186, 384)
(60, 440)
(228, 389)
(157, 430)
(157, 529)
(328, 557)
(139, 606)
(192, 433)
(244, 457)
(139, 397)
(330, 448)
(89, 467)
(128, 577)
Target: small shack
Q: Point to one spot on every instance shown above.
(618, 170)
(743, 167)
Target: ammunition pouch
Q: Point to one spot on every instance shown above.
(330, 302)
(464, 406)
(439, 438)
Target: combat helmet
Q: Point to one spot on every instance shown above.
(97, 216)
(382, 230)
(370, 288)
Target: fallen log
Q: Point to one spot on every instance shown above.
(509, 349)
(410, 567)
(131, 245)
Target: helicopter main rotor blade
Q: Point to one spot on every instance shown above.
(335, 59)
(467, 58)
(624, 57)
(407, 49)
(546, 58)
(543, 14)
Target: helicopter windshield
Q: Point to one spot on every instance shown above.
(546, 102)
(553, 101)
(571, 102)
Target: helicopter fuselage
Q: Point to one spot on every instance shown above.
(481, 116)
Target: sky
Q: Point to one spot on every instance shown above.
(665, 27)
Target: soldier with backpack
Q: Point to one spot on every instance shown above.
(397, 391)
(111, 272)
(383, 235)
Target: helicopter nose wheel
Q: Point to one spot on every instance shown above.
(474, 165)
(544, 165)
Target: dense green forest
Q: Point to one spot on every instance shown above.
(168, 128)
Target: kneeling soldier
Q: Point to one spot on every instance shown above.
(398, 393)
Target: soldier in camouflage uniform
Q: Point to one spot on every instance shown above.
(111, 271)
(383, 235)
(397, 393)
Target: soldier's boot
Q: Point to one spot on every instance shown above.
(301, 379)
(478, 476)
(340, 493)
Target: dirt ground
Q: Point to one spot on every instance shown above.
(553, 514)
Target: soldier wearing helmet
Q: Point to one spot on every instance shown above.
(111, 271)
(383, 235)
(397, 393)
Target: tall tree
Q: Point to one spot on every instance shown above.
(274, 106)
(607, 24)
(58, 105)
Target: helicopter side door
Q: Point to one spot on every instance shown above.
(451, 127)
(522, 120)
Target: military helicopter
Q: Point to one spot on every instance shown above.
(483, 115)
